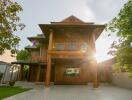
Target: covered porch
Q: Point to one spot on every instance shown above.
(34, 71)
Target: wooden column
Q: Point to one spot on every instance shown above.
(95, 74)
(38, 73)
(94, 62)
(48, 72)
(95, 67)
(29, 71)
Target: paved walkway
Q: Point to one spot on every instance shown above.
(73, 92)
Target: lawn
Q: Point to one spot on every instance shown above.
(6, 91)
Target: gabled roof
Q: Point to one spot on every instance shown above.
(38, 37)
(71, 20)
(31, 48)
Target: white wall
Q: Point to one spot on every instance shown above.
(2, 68)
(7, 75)
(122, 80)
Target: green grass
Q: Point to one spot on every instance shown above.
(6, 91)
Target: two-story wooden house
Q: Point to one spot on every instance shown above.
(64, 53)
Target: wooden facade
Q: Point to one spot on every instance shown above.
(65, 54)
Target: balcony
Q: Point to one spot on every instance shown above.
(69, 50)
(37, 57)
(43, 59)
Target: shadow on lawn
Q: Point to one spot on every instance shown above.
(6, 91)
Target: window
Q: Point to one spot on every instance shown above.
(59, 46)
(71, 46)
(72, 71)
(84, 47)
(65, 46)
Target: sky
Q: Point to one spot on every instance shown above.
(44, 11)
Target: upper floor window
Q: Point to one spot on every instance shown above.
(72, 46)
(84, 47)
(59, 46)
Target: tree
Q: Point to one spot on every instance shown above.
(122, 26)
(123, 22)
(9, 23)
(23, 55)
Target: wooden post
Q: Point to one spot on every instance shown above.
(28, 78)
(48, 72)
(95, 75)
(95, 82)
(94, 62)
(38, 73)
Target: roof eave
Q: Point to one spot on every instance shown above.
(44, 30)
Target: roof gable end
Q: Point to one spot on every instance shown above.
(72, 19)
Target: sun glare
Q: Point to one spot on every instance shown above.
(98, 57)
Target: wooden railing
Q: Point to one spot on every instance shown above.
(43, 58)
(66, 46)
(38, 58)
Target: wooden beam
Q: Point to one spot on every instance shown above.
(69, 57)
(67, 52)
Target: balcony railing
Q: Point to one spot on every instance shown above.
(69, 46)
(39, 59)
